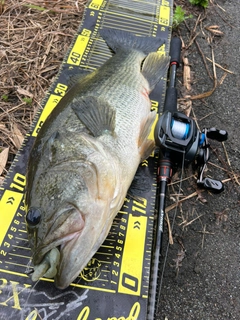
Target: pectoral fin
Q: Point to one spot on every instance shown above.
(96, 114)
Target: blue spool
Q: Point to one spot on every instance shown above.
(180, 130)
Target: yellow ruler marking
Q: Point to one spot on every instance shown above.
(127, 16)
(8, 206)
(162, 50)
(50, 105)
(151, 134)
(165, 2)
(23, 231)
(88, 287)
(95, 4)
(14, 273)
(133, 254)
(80, 45)
(164, 16)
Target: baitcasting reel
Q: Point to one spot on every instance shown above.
(176, 134)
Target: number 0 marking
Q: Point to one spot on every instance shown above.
(132, 256)
(130, 282)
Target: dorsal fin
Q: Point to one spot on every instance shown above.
(154, 68)
(123, 40)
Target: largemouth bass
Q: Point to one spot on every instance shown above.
(86, 155)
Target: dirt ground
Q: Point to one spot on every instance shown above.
(202, 273)
(201, 278)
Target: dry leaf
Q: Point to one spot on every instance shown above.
(186, 74)
(17, 136)
(200, 197)
(215, 30)
(179, 259)
(221, 216)
(24, 92)
(3, 159)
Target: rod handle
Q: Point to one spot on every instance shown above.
(170, 103)
(175, 51)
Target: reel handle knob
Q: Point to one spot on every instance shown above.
(215, 186)
(215, 134)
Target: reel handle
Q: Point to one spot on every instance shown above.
(218, 135)
(215, 186)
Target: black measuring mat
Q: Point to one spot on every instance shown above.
(115, 283)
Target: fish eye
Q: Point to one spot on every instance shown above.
(33, 216)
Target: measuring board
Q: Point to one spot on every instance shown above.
(114, 284)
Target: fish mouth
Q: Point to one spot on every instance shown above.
(66, 228)
(64, 259)
(77, 253)
(49, 265)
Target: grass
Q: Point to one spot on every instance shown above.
(202, 3)
(179, 16)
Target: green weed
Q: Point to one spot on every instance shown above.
(179, 16)
(27, 100)
(4, 97)
(202, 3)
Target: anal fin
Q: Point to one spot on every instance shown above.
(96, 114)
(145, 145)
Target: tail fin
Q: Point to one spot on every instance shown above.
(123, 40)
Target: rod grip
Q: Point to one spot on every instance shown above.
(170, 103)
(175, 51)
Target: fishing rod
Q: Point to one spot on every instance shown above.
(180, 143)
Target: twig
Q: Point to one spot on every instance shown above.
(195, 118)
(208, 93)
(219, 66)
(169, 208)
(223, 169)
(223, 78)
(204, 232)
(197, 44)
(175, 182)
(230, 166)
(170, 238)
(204, 60)
(190, 222)
(207, 115)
